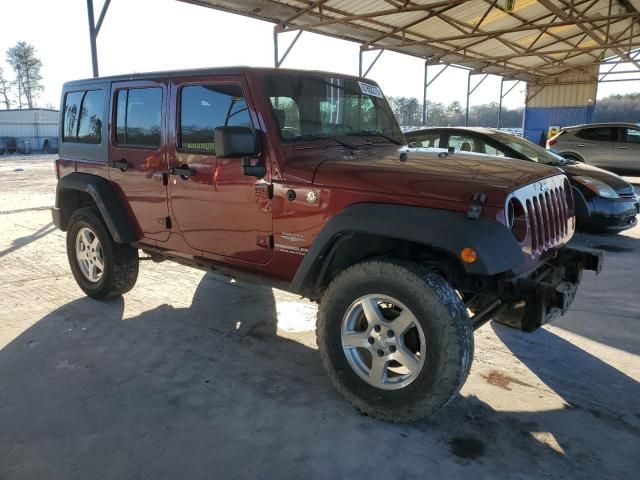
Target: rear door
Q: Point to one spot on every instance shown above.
(626, 150)
(137, 154)
(218, 209)
(594, 145)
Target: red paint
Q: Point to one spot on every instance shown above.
(221, 217)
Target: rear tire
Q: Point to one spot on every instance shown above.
(436, 344)
(102, 268)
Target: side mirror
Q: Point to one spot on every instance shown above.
(234, 142)
(238, 142)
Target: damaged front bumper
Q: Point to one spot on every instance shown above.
(550, 290)
(529, 301)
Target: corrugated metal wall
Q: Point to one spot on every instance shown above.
(33, 126)
(566, 100)
(538, 120)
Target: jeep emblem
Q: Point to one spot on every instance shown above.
(543, 187)
(311, 196)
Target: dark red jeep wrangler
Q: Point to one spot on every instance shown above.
(303, 180)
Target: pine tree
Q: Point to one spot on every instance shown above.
(5, 90)
(22, 58)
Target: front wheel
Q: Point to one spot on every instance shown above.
(102, 268)
(394, 339)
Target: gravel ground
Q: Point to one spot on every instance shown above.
(190, 376)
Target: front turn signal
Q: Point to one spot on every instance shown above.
(468, 255)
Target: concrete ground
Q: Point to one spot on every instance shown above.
(190, 376)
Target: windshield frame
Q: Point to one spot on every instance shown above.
(386, 122)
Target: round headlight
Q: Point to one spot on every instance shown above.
(517, 219)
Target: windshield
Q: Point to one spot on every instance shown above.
(530, 150)
(313, 106)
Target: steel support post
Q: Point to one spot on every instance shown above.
(92, 38)
(466, 113)
(500, 101)
(425, 113)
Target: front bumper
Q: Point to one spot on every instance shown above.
(610, 215)
(549, 291)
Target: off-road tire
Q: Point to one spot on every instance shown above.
(120, 260)
(442, 316)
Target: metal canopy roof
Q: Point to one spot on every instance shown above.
(520, 39)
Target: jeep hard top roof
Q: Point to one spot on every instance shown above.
(237, 70)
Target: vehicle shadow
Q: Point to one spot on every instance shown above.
(94, 391)
(581, 379)
(27, 239)
(608, 315)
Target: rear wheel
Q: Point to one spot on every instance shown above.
(394, 339)
(102, 268)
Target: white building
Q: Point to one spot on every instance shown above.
(30, 127)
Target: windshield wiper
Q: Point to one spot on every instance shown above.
(324, 137)
(372, 133)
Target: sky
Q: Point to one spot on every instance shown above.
(147, 35)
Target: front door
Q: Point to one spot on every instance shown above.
(217, 208)
(137, 157)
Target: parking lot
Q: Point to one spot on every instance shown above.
(192, 376)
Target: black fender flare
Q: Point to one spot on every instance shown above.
(105, 198)
(497, 249)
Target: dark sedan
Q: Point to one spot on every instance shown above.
(604, 201)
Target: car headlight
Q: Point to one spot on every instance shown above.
(597, 187)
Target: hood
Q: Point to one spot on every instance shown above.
(454, 177)
(614, 181)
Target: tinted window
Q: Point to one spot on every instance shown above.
(205, 107)
(139, 116)
(633, 135)
(602, 134)
(90, 121)
(71, 109)
(83, 112)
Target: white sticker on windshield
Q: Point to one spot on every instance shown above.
(370, 90)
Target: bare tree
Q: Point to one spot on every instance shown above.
(5, 89)
(22, 58)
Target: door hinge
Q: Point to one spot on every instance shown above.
(265, 241)
(264, 190)
(166, 221)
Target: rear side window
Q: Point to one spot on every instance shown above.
(83, 114)
(138, 117)
(632, 135)
(602, 134)
(205, 107)
(463, 143)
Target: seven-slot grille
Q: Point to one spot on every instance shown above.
(549, 209)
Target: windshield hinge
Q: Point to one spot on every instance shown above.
(475, 208)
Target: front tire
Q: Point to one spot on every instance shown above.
(102, 268)
(395, 340)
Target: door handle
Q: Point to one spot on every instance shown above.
(581, 145)
(622, 148)
(123, 165)
(183, 171)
